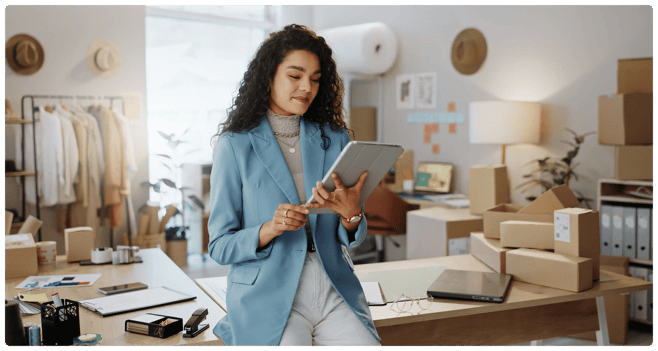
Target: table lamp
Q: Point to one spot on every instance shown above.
(504, 122)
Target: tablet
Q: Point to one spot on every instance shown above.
(356, 158)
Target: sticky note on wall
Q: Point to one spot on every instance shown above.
(435, 149)
(452, 128)
(451, 107)
(427, 137)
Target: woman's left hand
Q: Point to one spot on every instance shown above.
(344, 201)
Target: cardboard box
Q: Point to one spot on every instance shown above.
(404, 169)
(363, 121)
(492, 218)
(635, 75)
(616, 306)
(488, 186)
(528, 235)
(20, 256)
(634, 162)
(626, 119)
(78, 243)
(577, 233)
(553, 199)
(430, 231)
(489, 251)
(550, 269)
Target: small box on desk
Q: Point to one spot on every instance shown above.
(577, 233)
(634, 162)
(20, 256)
(626, 119)
(78, 242)
(635, 75)
(527, 235)
(489, 252)
(363, 121)
(151, 324)
(492, 218)
(550, 269)
(432, 232)
(488, 186)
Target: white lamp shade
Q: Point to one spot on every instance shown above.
(504, 122)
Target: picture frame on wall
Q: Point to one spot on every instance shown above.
(426, 90)
(404, 91)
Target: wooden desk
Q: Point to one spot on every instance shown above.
(529, 312)
(156, 270)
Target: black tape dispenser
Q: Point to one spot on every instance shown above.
(192, 326)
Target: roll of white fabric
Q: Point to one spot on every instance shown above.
(368, 49)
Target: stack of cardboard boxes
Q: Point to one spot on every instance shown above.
(549, 242)
(626, 120)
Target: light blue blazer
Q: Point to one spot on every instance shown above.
(249, 179)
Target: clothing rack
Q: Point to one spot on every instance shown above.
(33, 109)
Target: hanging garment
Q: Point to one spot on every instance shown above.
(50, 158)
(130, 166)
(71, 156)
(113, 147)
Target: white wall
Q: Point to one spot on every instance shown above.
(561, 56)
(65, 32)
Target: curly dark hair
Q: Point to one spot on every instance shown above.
(253, 97)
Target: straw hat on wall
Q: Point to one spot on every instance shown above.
(469, 51)
(24, 54)
(103, 58)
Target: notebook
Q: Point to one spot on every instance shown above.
(133, 301)
(469, 285)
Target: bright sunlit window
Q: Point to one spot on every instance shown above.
(195, 59)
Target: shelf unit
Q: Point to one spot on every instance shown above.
(22, 121)
(616, 192)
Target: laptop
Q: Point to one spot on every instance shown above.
(469, 285)
(433, 178)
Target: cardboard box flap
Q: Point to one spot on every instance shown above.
(554, 199)
(19, 240)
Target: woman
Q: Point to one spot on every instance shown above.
(291, 281)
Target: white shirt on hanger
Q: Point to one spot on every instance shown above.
(71, 157)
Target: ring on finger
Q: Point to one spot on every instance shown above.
(284, 221)
(285, 214)
(334, 199)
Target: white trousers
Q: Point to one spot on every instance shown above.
(319, 315)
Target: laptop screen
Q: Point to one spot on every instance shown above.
(435, 177)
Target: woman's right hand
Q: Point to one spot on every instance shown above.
(286, 217)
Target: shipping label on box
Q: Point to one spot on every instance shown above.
(577, 233)
(459, 246)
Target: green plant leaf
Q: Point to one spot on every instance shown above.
(168, 137)
(169, 183)
(197, 201)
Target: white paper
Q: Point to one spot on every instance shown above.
(616, 221)
(630, 222)
(605, 220)
(373, 292)
(562, 228)
(44, 280)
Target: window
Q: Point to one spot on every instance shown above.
(195, 59)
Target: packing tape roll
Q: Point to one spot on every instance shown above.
(101, 255)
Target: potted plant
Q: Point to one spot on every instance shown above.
(172, 191)
(551, 172)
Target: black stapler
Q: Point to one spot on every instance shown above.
(192, 326)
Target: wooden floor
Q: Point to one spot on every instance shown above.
(638, 335)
